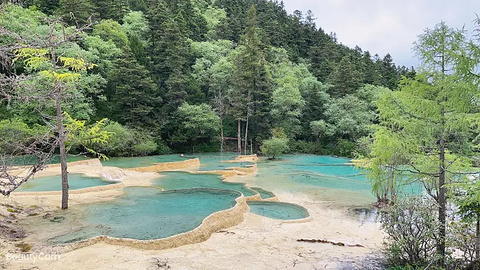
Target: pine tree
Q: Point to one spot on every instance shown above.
(112, 9)
(46, 6)
(132, 95)
(80, 9)
(389, 75)
(346, 78)
(253, 81)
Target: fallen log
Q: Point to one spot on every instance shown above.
(324, 241)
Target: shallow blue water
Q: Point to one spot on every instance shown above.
(54, 183)
(147, 213)
(264, 194)
(135, 162)
(213, 161)
(29, 160)
(184, 180)
(309, 170)
(278, 210)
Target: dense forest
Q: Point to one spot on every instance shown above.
(186, 75)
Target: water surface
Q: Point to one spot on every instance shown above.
(278, 210)
(185, 180)
(147, 213)
(54, 183)
(136, 162)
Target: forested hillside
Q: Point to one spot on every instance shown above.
(181, 75)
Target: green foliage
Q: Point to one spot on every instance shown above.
(345, 148)
(287, 100)
(110, 30)
(346, 78)
(104, 53)
(276, 145)
(144, 147)
(131, 94)
(135, 24)
(426, 127)
(46, 6)
(112, 9)
(81, 135)
(213, 16)
(128, 142)
(468, 200)
(75, 12)
(250, 60)
(14, 134)
(197, 121)
(306, 147)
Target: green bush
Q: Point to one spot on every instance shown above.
(118, 143)
(162, 148)
(306, 147)
(144, 148)
(129, 142)
(206, 147)
(15, 133)
(345, 148)
(275, 147)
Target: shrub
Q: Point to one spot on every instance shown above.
(118, 143)
(275, 147)
(411, 230)
(162, 148)
(345, 148)
(306, 147)
(14, 133)
(129, 142)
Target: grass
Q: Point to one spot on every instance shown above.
(24, 247)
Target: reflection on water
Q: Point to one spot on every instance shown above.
(364, 214)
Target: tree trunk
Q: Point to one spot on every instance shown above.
(477, 240)
(239, 136)
(442, 204)
(221, 135)
(63, 151)
(246, 135)
(442, 201)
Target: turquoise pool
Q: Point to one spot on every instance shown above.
(214, 161)
(135, 162)
(29, 160)
(150, 213)
(147, 213)
(278, 210)
(264, 194)
(185, 180)
(54, 183)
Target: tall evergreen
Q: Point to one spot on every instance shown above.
(112, 9)
(253, 79)
(388, 71)
(75, 12)
(346, 78)
(131, 94)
